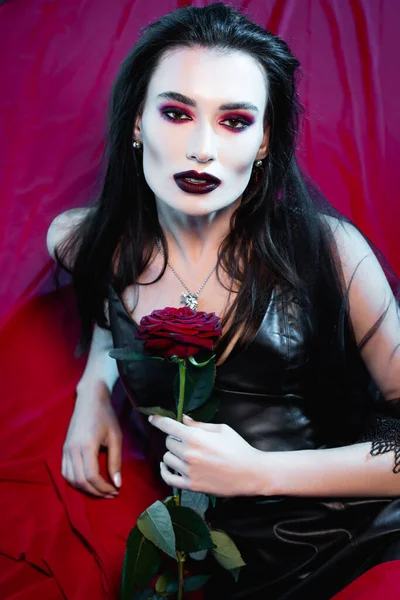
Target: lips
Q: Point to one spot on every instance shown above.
(196, 183)
(195, 175)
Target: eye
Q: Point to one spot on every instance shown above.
(176, 115)
(179, 116)
(243, 123)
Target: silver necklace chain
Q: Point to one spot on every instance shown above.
(189, 299)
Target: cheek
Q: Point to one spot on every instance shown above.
(166, 146)
(160, 153)
(239, 164)
(162, 145)
(239, 157)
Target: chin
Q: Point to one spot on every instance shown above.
(202, 211)
(199, 205)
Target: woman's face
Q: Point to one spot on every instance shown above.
(185, 126)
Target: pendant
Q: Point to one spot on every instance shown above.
(190, 300)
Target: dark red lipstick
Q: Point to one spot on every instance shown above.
(193, 182)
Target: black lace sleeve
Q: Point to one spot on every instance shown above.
(384, 436)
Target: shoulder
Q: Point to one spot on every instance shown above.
(345, 233)
(369, 293)
(63, 226)
(364, 280)
(351, 247)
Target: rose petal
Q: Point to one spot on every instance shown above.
(180, 331)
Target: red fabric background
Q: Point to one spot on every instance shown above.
(58, 61)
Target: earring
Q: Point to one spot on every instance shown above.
(137, 145)
(258, 170)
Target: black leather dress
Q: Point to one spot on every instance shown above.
(294, 548)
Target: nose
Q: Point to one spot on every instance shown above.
(201, 145)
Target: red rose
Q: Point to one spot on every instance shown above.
(178, 331)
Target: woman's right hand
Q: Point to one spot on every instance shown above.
(93, 424)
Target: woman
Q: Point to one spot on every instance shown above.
(210, 202)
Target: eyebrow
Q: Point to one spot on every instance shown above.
(190, 102)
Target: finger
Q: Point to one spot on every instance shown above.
(173, 480)
(175, 446)
(69, 471)
(175, 463)
(92, 475)
(80, 481)
(63, 466)
(170, 426)
(114, 459)
(213, 427)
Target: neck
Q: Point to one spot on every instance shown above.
(194, 239)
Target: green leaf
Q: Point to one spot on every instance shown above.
(200, 555)
(192, 533)
(175, 359)
(141, 562)
(155, 524)
(212, 499)
(195, 500)
(235, 573)
(198, 362)
(207, 412)
(169, 501)
(203, 355)
(226, 551)
(195, 583)
(203, 387)
(156, 410)
(166, 583)
(129, 354)
(198, 386)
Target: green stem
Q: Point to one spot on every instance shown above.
(181, 402)
(178, 496)
(182, 380)
(181, 562)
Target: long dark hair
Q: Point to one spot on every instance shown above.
(115, 242)
(277, 237)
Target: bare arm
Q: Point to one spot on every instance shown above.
(351, 470)
(101, 372)
(94, 422)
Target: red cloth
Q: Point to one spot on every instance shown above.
(380, 583)
(59, 60)
(55, 542)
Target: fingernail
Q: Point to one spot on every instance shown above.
(188, 418)
(150, 418)
(117, 479)
(110, 496)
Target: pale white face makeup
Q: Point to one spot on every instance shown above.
(223, 142)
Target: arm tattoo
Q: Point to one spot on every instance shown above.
(384, 436)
